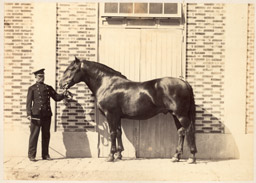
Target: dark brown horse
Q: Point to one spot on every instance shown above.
(117, 97)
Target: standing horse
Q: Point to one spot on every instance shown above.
(117, 97)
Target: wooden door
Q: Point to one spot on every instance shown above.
(160, 57)
(120, 50)
(142, 54)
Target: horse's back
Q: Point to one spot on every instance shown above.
(167, 94)
(140, 100)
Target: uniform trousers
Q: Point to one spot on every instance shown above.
(34, 133)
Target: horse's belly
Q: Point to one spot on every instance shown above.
(140, 117)
(141, 110)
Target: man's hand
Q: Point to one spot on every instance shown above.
(68, 94)
(29, 118)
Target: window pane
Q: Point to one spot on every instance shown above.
(141, 8)
(170, 8)
(125, 7)
(155, 8)
(111, 7)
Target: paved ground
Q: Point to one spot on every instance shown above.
(20, 168)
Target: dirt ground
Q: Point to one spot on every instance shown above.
(96, 169)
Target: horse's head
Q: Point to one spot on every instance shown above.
(72, 74)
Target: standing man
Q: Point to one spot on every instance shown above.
(39, 113)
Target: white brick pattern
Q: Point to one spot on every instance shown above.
(76, 36)
(18, 58)
(250, 71)
(205, 64)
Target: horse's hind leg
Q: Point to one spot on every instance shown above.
(120, 146)
(181, 136)
(190, 137)
(184, 128)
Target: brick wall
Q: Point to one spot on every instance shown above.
(18, 57)
(76, 36)
(205, 63)
(250, 71)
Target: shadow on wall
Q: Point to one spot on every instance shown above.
(75, 140)
(213, 138)
(214, 144)
(206, 122)
(152, 138)
(156, 137)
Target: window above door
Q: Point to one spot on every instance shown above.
(141, 10)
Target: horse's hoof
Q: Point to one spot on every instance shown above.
(110, 159)
(175, 159)
(191, 161)
(119, 157)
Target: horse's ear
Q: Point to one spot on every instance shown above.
(77, 60)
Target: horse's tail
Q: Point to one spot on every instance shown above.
(190, 133)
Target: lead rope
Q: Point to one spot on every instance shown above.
(67, 97)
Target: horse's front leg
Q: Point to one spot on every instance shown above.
(112, 121)
(113, 146)
(120, 146)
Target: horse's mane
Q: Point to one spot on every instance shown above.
(106, 70)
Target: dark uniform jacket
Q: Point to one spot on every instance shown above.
(38, 100)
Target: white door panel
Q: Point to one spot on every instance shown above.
(140, 55)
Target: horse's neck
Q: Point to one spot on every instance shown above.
(93, 77)
(96, 76)
(92, 83)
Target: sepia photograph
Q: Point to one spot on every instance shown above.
(127, 91)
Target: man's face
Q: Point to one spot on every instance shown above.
(40, 78)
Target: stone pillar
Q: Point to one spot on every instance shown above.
(235, 77)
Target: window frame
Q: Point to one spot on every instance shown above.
(141, 15)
